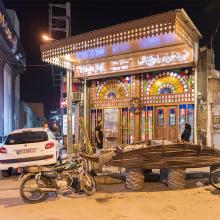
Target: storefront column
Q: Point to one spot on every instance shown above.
(76, 124)
(87, 108)
(196, 106)
(137, 117)
(85, 102)
(136, 127)
(69, 77)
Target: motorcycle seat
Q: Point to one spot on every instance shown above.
(47, 169)
(36, 169)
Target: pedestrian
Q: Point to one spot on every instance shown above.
(186, 133)
(99, 142)
(99, 135)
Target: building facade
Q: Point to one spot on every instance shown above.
(12, 63)
(140, 77)
(31, 115)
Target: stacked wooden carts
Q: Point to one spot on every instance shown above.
(173, 157)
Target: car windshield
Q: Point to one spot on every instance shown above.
(26, 137)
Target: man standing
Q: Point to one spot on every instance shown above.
(99, 135)
(186, 133)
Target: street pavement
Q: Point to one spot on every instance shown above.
(113, 202)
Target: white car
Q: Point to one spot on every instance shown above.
(28, 147)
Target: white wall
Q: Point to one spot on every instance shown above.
(216, 140)
(216, 125)
(8, 117)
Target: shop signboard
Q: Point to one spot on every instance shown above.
(141, 60)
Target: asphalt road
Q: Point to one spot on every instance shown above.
(154, 202)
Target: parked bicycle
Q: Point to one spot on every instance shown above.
(215, 178)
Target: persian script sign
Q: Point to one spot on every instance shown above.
(173, 57)
(138, 61)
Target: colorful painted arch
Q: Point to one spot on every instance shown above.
(112, 89)
(167, 83)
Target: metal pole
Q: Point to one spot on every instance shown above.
(85, 103)
(50, 19)
(68, 19)
(69, 75)
(61, 109)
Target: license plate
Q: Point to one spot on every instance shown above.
(26, 151)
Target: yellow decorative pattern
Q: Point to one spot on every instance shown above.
(167, 83)
(112, 89)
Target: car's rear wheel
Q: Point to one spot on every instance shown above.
(6, 173)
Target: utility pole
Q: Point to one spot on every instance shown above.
(63, 24)
(60, 23)
(69, 75)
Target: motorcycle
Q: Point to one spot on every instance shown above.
(68, 177)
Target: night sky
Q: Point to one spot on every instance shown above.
(87, 15)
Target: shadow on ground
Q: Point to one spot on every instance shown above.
(151, 187)
(118, 190)
(17, 201)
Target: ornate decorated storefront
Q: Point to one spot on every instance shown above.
(165, 104)
(140, 76)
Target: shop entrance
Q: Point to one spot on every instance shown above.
(166, 122)
(111, 120)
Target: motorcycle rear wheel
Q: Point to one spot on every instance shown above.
(35, 196)
(88, 184)
(215, 179)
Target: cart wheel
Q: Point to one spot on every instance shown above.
(176, 179)
(134, 179)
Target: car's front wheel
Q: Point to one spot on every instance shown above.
(6, 173)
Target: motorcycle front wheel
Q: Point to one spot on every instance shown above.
(215, 179)
(88, 183)
(29, 189)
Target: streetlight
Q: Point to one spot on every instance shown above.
(47, 38)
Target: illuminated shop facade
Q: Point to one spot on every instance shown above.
(140, 77)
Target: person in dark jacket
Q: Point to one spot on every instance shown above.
(186, 133)
(99, 135)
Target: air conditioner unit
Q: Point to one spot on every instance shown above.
(76, 96)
